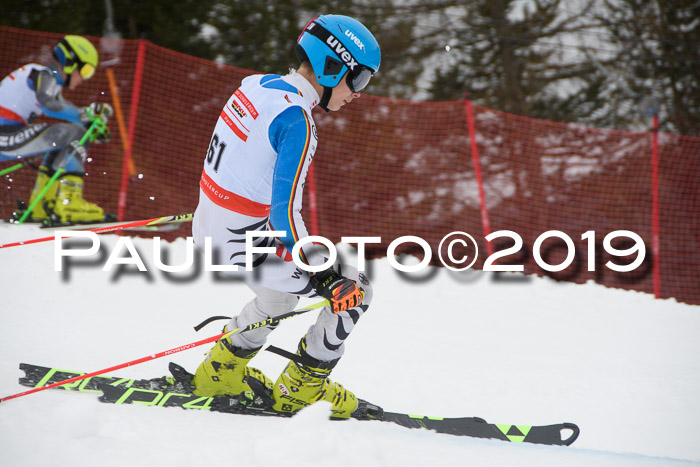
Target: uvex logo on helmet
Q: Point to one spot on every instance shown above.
(341, 51)
(355, 39)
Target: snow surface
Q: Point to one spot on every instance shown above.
(623, 366)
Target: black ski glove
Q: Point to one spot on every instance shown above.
(342, 293)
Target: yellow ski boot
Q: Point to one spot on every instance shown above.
(302, 384)
(225, 371)
(71, 207)
(44, 207)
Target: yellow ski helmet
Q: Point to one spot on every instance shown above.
(76, 52)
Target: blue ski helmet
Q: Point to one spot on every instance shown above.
(334, 44)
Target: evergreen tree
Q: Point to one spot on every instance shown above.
(510, 60)
(61, 16)
(255, 35)
(172, 24)
(658, 60)
(597, 63)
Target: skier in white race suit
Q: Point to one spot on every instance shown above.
(34, 90)
(253, 180)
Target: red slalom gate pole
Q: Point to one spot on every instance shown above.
(471, 127)
(655, 206)
(267, 322)
(112, 228)
(138, 76)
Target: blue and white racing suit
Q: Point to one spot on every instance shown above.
(253, 179)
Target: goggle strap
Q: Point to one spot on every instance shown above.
(329, 39)
(70, 56)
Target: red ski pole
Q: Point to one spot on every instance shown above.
(113, 228)
(267, 322)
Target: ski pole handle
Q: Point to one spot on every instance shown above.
(257, 325)
(97, 122)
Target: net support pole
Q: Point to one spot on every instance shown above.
(485, 222)
(138, 74)
(655, 205)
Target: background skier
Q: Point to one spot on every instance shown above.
(34, 90)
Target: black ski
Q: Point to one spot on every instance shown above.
(176, 392)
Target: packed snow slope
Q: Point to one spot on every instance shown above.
(522, 350)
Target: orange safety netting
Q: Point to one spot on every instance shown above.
(390, 168)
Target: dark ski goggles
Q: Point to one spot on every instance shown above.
(358, 80)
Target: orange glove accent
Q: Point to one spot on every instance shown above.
(342, 293)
